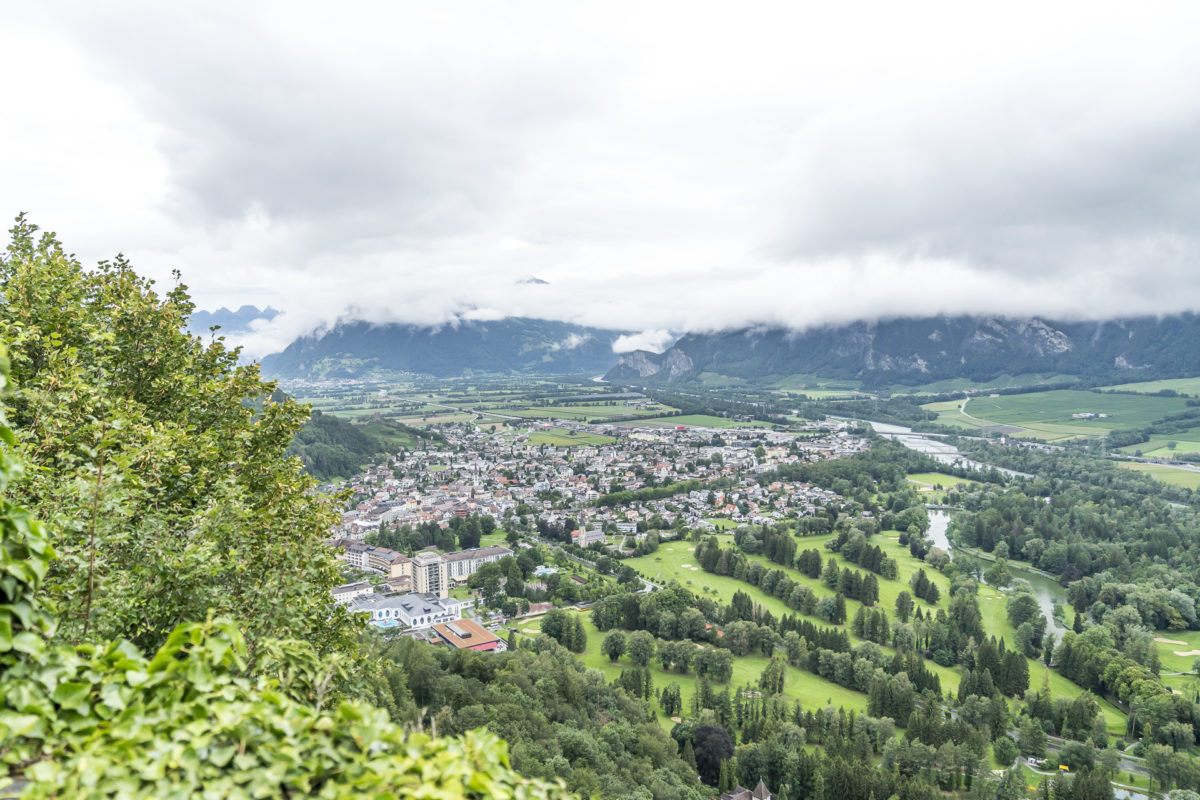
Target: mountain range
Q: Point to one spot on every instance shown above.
(921, 350)
(516, 345)
(908, 351)
(229, 321)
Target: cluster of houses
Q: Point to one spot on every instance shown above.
(503, 473)
(508, 472)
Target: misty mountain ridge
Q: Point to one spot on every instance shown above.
(921, 350)
(230, 321)
(516, 345)
(908, 351)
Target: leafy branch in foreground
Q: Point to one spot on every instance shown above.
(102, 720)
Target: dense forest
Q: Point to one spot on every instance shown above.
(331, 447)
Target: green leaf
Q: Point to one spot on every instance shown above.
(71, 695)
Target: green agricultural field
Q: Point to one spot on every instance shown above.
(1182, 385)
(1175, 476)
(999, 382)
(418, 422)
(1056, 408)
(561, 438)
(1048, 415)
(697, 421)
(393, 437)
(1186, 442)
(813, 385)
(598, 413)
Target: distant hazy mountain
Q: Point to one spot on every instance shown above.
(514, 345)
(230, 321)
(915, 351)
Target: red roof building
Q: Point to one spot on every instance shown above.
(467, 634)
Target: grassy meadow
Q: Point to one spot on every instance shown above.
(562, 438)
(934, 485)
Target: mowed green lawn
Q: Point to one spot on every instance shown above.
(811, 690)
(1172, 475)
(995, 622)
(676, 560)
(934, 485)
(561, 438)
(939, 479)
(1172, 643)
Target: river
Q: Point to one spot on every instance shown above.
(931, 446)
(1046, 590)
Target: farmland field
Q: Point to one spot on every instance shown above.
(1048, 415)
(585, 412)
(1182, 385)
(698, 421)
(1172, 475)
(999, 382)
(1186, 441)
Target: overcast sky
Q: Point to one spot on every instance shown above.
(664, 167)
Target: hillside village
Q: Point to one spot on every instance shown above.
(518, 485)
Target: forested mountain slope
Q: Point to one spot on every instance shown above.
(920, 350)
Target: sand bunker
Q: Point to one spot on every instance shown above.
(1187, 653)
(530, 631)
(687, 566)
(1168, 641)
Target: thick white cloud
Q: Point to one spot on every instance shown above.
(663, 166)
(656, 341)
